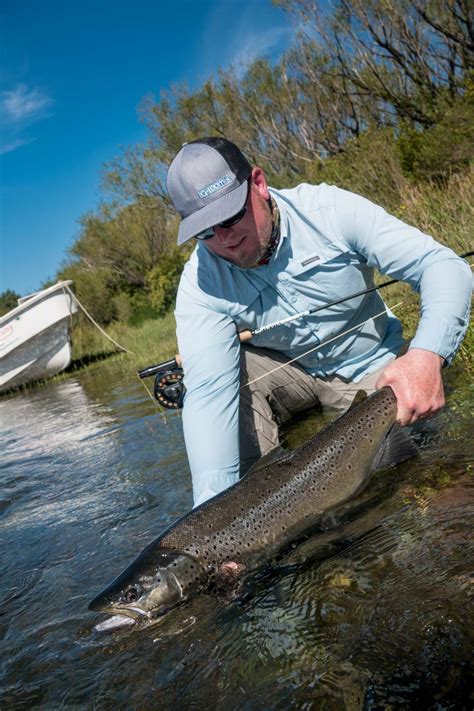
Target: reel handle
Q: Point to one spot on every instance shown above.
(151, 370)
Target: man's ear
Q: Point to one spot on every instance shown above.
(260, 182)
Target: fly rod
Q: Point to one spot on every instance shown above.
(168, 388)
(248, 334)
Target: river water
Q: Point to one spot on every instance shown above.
(373, 611)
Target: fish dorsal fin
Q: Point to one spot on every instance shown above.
(397, 446)
(360, 396)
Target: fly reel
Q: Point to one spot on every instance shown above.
(168, 387)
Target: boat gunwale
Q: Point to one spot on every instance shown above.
(30, 301)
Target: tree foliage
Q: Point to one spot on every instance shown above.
(163, 279)
(394, 59)
(8, 301)
(375, 95)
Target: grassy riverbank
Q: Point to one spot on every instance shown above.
(149, 343)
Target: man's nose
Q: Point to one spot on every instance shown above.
(224, 234)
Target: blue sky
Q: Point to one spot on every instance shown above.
(71, 77)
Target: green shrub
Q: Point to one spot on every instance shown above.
(94, 289)
(8, 301)
(163, 280)
(134, 308)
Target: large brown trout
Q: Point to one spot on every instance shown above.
(260, 515)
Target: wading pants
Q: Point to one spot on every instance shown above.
(272, 400)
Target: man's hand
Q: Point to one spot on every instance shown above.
(415, 378)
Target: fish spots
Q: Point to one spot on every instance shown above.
(263, 508)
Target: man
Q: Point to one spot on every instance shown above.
(263, 255)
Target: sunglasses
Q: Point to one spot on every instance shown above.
(227, 224)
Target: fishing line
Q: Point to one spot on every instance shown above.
(320, 345)
(320, 308)
(248, 334)
(122, 348)
(155, 402)
(169, 389)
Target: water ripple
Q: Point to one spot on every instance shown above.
(371, 611)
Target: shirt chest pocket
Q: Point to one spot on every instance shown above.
(328, 274)
(247, 310)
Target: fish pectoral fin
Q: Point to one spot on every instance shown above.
(397, 446)
(227, 583)
(232, 568)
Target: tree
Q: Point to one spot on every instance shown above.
(374, 95)
(404, 58)
(8, 301)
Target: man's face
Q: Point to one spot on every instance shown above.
(245, 243)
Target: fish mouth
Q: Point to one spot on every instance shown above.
(135, 613)
(118, 618)
(110, 624)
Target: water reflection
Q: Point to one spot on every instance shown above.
(371, 612)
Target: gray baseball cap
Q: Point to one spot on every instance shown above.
(207, 183)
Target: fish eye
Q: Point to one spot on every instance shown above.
(132, 594)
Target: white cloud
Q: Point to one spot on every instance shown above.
(19, 108)
(22, 104)
(13, 145)
(253, 45)
(257, 30)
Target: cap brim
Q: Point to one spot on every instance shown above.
(218, 211)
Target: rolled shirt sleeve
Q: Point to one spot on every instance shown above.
(443, 280)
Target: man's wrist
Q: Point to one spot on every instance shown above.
(428, 356)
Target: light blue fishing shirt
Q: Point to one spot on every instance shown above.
(331, 240)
